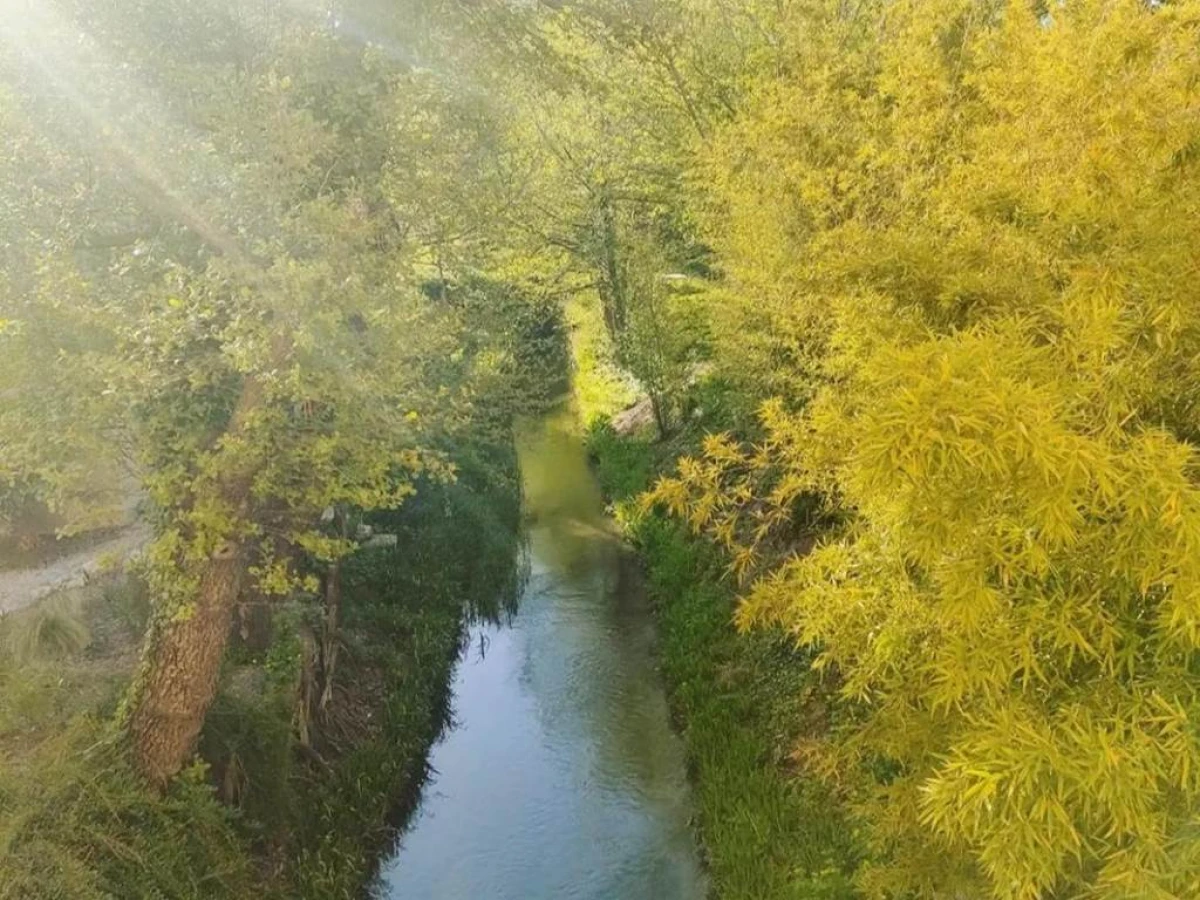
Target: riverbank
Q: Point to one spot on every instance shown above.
(741, 702)
(259, 815)
(252, 818)
(331, 691)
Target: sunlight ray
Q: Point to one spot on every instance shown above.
(68, 62)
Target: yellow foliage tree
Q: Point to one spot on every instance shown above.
(972, 227)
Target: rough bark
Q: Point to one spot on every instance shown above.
(183, 654)
(180, 679)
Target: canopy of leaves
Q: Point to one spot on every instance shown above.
(960, 239)
(214, 269)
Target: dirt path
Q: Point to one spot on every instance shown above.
(23, 587)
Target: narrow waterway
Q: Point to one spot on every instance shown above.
(562, 779)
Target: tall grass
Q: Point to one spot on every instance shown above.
(77, 824)
(740, 701)
(52, 629)
(770, 833)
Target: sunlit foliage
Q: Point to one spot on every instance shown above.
(948, 245)
(226, 292)
(976, 227)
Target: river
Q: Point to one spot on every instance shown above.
(562, 778)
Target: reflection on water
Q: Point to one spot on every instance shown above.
(562, 778)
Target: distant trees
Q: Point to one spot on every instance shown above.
(607, 103)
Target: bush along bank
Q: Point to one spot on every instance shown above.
(273, 807)
(742, 702)
(354, 779)
(457, 557)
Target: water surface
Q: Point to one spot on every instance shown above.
(562, 779)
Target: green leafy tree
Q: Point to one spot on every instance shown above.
(246, 331)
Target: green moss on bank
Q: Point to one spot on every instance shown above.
(740, 701)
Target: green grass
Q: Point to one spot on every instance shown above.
(78, 824)
(740, 701)
(599, 386)
(623, 466)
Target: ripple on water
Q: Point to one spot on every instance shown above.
(562, 779)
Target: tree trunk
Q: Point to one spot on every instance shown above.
(184, 649)
(307, 690)
(612, 279)
(180, 677)
(331, 638)
(658, 407)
